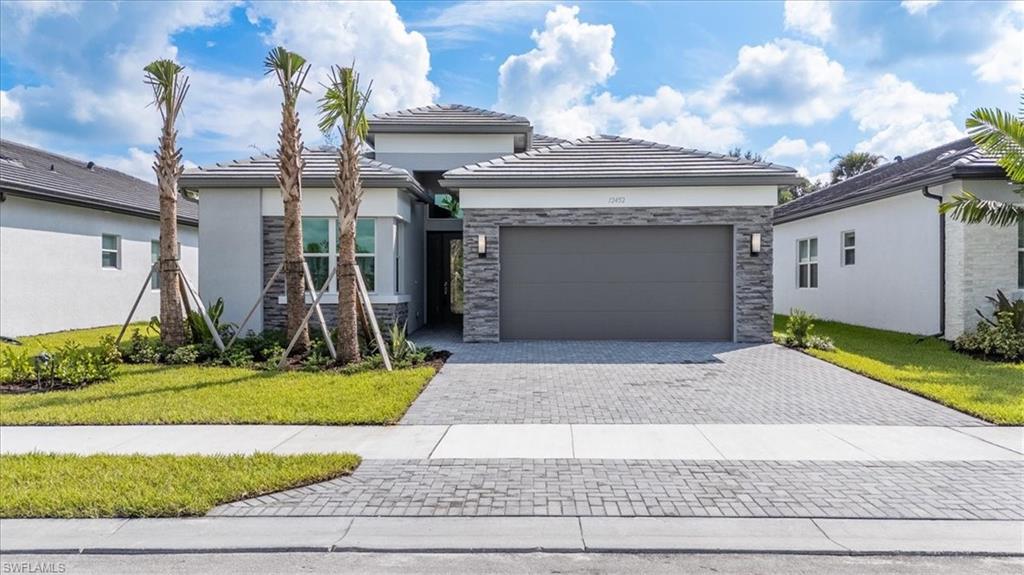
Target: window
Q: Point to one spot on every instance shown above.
(111, 251)
(1020, 255)
(807, 263)
(399, 242)
(320, 249)
(849, 246)
(154, 251)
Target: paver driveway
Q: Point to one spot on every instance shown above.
(647, 382)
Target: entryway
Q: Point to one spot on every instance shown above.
(444, 279)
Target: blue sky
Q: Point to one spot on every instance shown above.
(797, 81)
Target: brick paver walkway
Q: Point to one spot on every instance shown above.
(563, 487)
(638, 382)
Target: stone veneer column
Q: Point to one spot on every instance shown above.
(752, 289)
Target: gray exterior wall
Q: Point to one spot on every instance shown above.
(752, 284)
(275, 314)
(230, 259)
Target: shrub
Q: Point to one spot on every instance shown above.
(1002, 340)
(184, 355)
(1002, 305)
(798, 333)
(316, 360)
(69, 365)
(142, 349)
(400, 347)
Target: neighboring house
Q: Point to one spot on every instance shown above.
(873, 250)
(77, 241)
(599, 238)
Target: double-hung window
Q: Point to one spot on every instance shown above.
(1020, 255)
(110, 251)
(849, 247)
(320, 248)
(154, 256)
(807, 263)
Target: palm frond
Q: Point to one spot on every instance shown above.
(290, 68)
(343, 104)
(999, 133)
(970, 209)
(169, 86)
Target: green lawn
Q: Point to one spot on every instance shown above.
(142, 394)
(928, 367)
(75, 486)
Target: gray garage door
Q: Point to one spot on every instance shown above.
(623, 282)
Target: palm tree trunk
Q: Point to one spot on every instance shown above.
(347, 205)
(290, 178)
(172, 325)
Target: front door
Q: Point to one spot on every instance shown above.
(444, 278)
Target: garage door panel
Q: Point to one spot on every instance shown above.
(576, 296)
(612, 325)
(618, 240)
(627, 282)
(559, 267)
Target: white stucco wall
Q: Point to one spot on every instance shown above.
(620, 197)
(980, 258)
(894, 284)
(51, 277)
(231, 261)
(499, 144)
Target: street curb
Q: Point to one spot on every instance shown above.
(512, 535)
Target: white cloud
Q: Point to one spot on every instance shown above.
(796, 148)
(1002, 62)
(92, 94)
(371, 34)
(780, 82)
(904, 118)
(546, 83)
(463, 22)
(810, 17)
(137, 163)
(556, 85)
(10, 109)
(918, 6)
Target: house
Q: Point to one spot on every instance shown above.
(873, 250)
(77, 241)
(470, 219)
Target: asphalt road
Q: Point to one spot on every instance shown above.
(501, 563)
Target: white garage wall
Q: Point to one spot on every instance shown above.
(231, 261)
(51, 278)
(895, 282)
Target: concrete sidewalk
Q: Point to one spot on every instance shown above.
(810, 442)
(564, 534)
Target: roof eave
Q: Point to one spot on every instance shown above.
(935, 179)
(197, 181)
(64, 199)
(459, 182)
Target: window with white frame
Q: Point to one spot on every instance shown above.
(848, 241)
(320, 239)
(807, 263)
(1020, 255)
(110, 251)
(154, 256)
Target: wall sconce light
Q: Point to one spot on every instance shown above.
(481, 246)
(755, 244)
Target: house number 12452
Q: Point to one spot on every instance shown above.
(617, 199)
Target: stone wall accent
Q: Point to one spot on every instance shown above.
(753, 275)
(275, 314)
(980, 259)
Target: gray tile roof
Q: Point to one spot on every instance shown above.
(606, 161)
(450, 117)
(542, 141)
(319, 171)
(36, 173)
(960, 158)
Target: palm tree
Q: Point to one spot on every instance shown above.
(291, 70)
(999, 133)
(169, 90)
(343, 106)
(853, 163)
